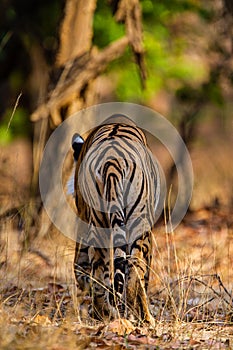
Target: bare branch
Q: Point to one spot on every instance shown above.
(129, 11)
(76, 78)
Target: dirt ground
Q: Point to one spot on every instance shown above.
(191, 277)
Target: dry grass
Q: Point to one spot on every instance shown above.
(191, 268)
(190, 288)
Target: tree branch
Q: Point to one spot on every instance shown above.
(76, 77)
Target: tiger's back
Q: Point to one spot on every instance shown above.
(116, 193)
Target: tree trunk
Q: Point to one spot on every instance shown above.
(76, 30)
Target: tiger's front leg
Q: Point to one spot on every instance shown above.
(138, 276)
(108, 285)
(82, 271)
(99, 282)
(82, 268)
(90, 268)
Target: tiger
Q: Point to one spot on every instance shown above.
(116, 190)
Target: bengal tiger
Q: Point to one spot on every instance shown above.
(117, 190)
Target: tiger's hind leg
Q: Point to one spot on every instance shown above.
(82, 271)
(117, 292)
(138, 276)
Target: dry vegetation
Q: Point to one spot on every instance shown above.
(190, 289)
(190, 293)
(191, 278)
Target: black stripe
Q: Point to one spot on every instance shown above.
(132, 131)
(100, 218)
(126, 191)
(117, 221)
(114, 130)
(109, 164)
(138, 199)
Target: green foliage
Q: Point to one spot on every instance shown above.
(105, 27)
(23, 26)
(171, 60)
(14, 124)
(167, 63)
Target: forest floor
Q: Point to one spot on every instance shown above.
(190, 287)
(190, 293)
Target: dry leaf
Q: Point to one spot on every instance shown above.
(42, 320)
(120, 326)
(142, 339)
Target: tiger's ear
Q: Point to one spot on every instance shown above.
(77, 143)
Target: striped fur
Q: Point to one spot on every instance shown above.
(116, 193)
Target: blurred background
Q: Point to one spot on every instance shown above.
(183, 70)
